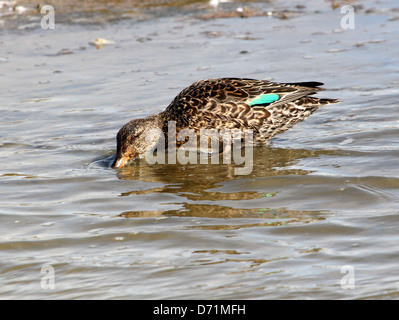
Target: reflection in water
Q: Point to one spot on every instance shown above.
(269, 217)
(197, 187)
(267, 162)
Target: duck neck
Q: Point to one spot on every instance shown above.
(156, 120)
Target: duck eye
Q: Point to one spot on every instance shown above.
(134, 136)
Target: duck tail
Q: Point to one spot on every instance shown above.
(328, 101)
(308, 84)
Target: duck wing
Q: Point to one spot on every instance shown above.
(233, 102)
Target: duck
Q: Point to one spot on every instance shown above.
(265, 107)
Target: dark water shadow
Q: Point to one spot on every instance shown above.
(266, 162)
(228, 218)
(196, 185)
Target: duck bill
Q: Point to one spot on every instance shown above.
(120, 161)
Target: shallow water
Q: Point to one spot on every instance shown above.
(322, 196)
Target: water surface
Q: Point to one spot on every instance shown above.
(321, 196)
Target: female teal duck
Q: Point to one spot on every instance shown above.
(268, 108)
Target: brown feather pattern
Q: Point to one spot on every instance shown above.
(225, 103)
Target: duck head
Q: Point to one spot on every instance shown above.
(136, 138)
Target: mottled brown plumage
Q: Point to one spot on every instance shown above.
(268, 108)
